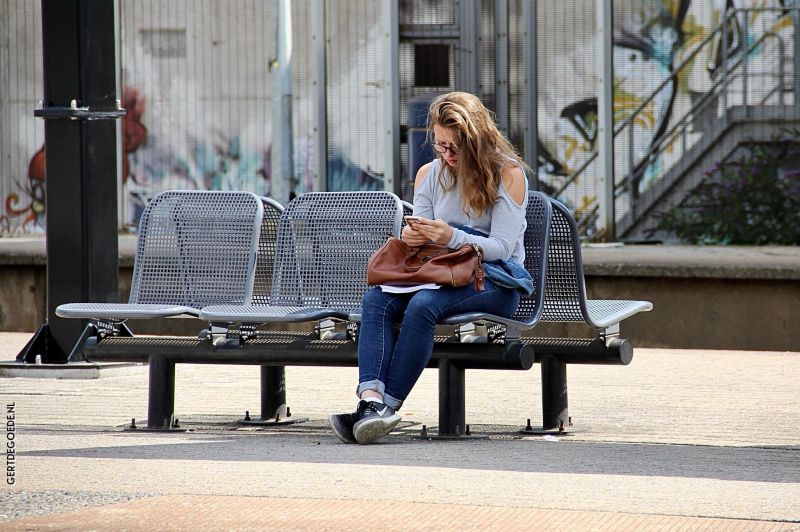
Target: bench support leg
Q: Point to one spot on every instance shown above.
(555, 412)
(161, 397)
(273, 392)
(451, 399)
(274, 411)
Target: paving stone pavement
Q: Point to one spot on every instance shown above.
(213, 513)
(677, 440)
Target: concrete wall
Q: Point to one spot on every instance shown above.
(749, 314)
(23, 297)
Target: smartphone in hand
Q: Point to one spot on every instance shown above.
(411, 220)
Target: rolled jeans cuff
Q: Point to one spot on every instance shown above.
(391, 402)
(375, 385)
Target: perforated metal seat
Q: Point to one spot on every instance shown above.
(529, 310)
(565, 289)
(324, 242)
(195, 248)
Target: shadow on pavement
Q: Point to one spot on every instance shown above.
(760, 464)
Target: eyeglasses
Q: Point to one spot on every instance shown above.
(441, 148)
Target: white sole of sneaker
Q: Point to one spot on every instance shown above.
(371, 430)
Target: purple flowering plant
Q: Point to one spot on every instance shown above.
(753, 198)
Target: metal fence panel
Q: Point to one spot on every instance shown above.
(355, 70)
(197, 80)
(22, 180)
(197, 83)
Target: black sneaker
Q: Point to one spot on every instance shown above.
(373, 421)
(342, 425)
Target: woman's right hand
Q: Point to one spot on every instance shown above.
(412, 237)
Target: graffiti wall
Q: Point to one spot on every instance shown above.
(22, 197)
(202, 94)
(652, 39)
(196, 80)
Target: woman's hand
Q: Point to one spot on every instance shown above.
(412, 237)
(437, 231)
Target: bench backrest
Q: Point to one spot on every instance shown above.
(265, 262)
(197, 248)
(408, 210)
(565, 292)
(324, 242)
(537, 231)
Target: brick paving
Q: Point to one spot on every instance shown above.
(181, 512)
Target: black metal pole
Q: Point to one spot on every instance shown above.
(555, 408)
(451, 399)
(273, 392)
(79, 107)
(161, 396)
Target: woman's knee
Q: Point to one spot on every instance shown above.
(422, 307)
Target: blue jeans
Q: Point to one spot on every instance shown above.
(390, 363)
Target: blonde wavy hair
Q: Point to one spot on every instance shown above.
(483, 150)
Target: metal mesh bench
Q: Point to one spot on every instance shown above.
(553, 257)
(321, 246)
(311, 265)
(316, 270)
(323, 243)
(309, 289)
(195, 248)
(552, 247)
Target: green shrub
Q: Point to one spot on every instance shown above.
(753, 200)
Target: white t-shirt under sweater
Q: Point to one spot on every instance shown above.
(504, 222)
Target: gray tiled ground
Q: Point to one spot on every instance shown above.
(689, 433)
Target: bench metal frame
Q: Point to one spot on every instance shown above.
(313, 278)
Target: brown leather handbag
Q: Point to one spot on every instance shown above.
(397, 263)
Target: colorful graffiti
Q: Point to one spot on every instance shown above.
(652, 39)
(218, 162)
(648, 37)
(29, 218)
(134, 132)
(164, 149)
(149, 166)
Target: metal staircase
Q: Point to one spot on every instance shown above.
(747, 101)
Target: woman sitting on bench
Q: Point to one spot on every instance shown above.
(474, 191)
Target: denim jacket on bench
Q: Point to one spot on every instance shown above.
(502, 272)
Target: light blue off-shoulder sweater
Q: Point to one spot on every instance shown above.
(504, 222)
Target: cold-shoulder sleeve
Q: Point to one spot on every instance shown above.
(508, 223)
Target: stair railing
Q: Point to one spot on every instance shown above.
(628, 186)
(630, 183)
